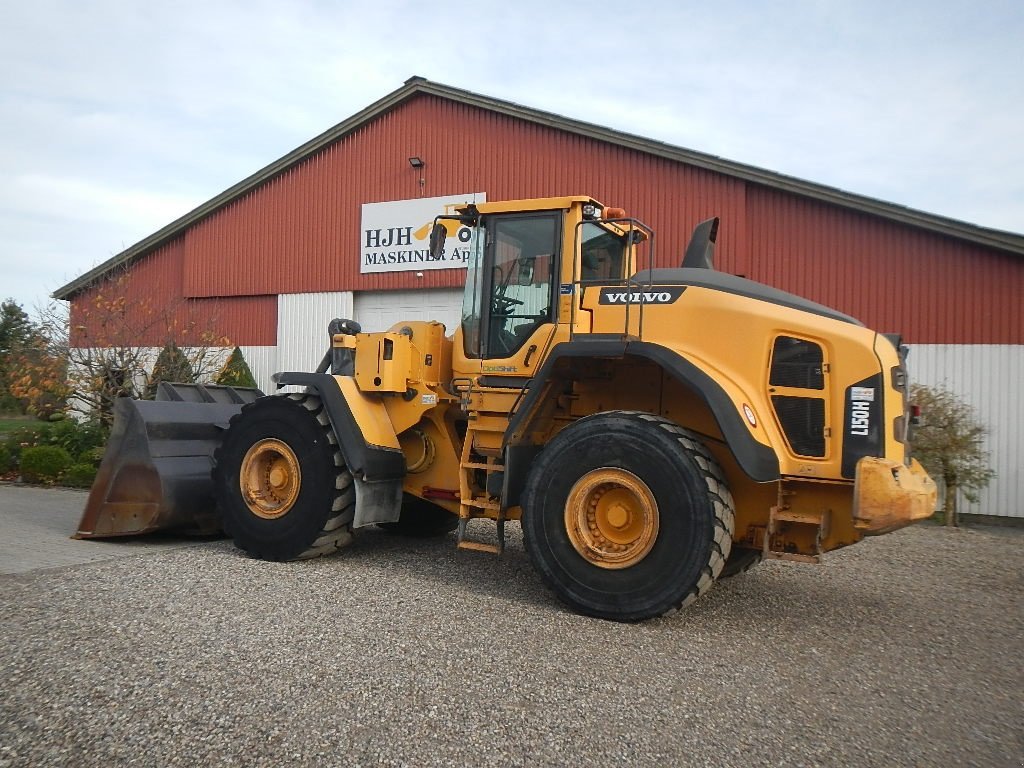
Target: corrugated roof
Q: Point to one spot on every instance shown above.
(1005, 241)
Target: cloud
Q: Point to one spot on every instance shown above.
(116, 117)
(85, 200)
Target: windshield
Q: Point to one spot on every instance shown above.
(520, 280)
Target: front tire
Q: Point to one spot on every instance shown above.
(627, 516)
(283, 490)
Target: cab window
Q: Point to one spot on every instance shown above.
(522, 252)
(602, 253)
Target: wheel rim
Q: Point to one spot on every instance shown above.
(611, 517)
(270, 479)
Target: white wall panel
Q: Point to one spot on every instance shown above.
(988, 377)
(302, 320)
(379, 310)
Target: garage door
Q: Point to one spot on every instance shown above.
(379, 310)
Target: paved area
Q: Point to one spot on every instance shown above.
(36, 526)
(904, 650)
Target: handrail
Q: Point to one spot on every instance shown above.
(578, 284)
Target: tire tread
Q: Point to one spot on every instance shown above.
(336, 532)
(717, 492)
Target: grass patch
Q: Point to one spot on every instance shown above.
(11, 423)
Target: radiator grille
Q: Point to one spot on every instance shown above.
(803, 421)
(796, 363)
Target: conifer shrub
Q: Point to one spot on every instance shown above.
(171, 365)
(236, 372)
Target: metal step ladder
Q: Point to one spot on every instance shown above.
(474, 501)
(815, 524)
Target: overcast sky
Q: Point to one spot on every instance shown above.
(118, 117)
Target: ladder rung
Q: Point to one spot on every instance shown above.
(480, 503)
(479, 546)
(793, 556)
(791, 516)
(478, 465)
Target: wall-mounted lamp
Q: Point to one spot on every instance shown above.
(418, 165)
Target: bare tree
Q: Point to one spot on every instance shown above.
(111, 336)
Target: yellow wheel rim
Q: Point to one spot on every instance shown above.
(611, 517)
(270, 479)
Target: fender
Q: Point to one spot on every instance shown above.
(757, 460)
(367, 441)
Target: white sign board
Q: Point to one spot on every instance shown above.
(395, 236)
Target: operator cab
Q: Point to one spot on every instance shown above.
(519, 275)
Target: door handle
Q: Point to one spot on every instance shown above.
(529, 354)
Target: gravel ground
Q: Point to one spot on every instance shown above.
(903, 650)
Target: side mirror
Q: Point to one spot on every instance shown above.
(437, 237)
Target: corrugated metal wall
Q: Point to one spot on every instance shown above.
(300, 231)
(156, 309)
(894, 277)
(986, 376)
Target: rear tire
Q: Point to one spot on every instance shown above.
(626, 516)
(421, 520)
(283, 490)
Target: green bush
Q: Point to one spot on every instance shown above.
(25, 437)
(93, 457)
(21, 449)
(79, 476)
(44, 463)
(74, 437)
(10, 404)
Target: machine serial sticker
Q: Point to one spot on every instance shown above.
(429, 399)
(864, 394)
(565, 290)
(653, 295)
(860, 410)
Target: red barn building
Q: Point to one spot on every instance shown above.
(272, 259)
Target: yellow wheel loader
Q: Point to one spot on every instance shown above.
(651, 429)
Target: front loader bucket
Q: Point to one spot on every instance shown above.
(155, 473)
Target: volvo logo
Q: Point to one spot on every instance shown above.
(654, 295)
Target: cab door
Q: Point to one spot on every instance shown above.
(508, 312)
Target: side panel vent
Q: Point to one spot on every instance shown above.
(803, 421)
